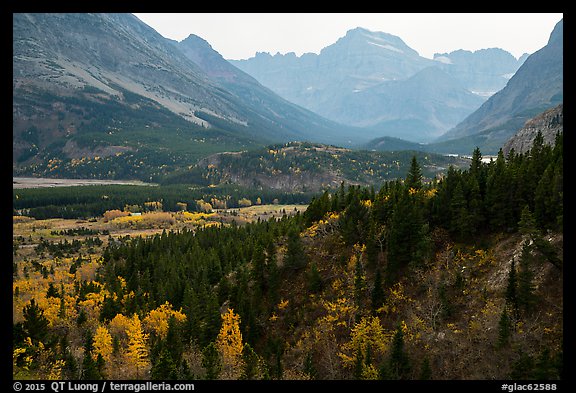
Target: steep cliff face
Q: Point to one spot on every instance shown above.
(549, 123)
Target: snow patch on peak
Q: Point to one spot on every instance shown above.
(443, 59)
(387, 46)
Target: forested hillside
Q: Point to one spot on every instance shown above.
(459, 277)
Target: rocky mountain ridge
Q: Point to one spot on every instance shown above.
(364, 80)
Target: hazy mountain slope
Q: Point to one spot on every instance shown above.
(249, 91)
(358, 81)
(483, 72)
(536, 86)
(417, 109)
(358, 60)
(106, 84)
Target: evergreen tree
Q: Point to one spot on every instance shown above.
(90, 368)
(425, 370)
(314, 279)
(522, 367)
(526, 288)
(52, 291)
(511, 288)
(35, 323)
(359, 364)
(164, 368)
(414, 176)
(527, 223)
(211, 361)
(295, 256)
(272, 274)
(250, 360)
(504, 329)
(212, 318)
(478, 171)
(352, 222)
(174, 339)
(460, 216)
(258, 267)
(497, 194)
(407, 236)
(398, 363)
(377, 292)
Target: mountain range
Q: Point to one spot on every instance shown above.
(102, 84)
(105, 95)
(374, 80)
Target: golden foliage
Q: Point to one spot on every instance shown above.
(102, 343)
(229, 339)
(229, 343)
(157, 320)
(137, 351)
(119, 325)
(115, 213)
(366, 333)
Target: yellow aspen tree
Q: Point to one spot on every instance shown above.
(137, 351)
(157, 319)
(102, 343)
(368, 333)
(229, 343)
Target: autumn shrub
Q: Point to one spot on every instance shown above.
(112, 214)
(158, 219)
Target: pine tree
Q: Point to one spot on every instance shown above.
(258, 267)
(164, 368)
(359, 284)
(511, 288)
(90, 368)
(377, 291)
(399, 363)
(414, 176)
(250, 359)
(425, 370)
(527, 223)
(504, 329)
(272, 274)
(314, 279)
(35, 323)
(211, 361)
(526, 287)
(295, 256)
(497, 194)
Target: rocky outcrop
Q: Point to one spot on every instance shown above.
(549, 123)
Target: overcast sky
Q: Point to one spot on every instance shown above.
(239, 36)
